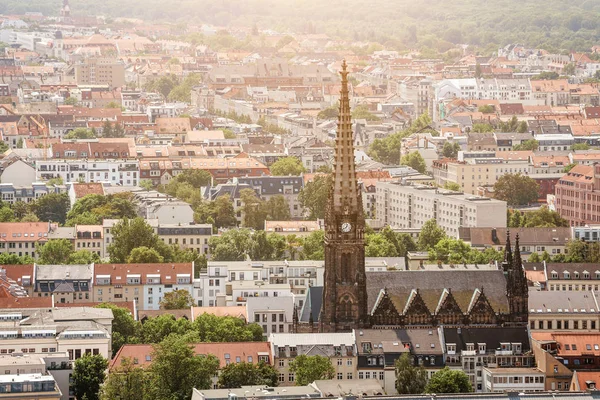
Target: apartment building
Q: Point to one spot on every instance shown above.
(572, 276)
(29, 386)
(531, 240)
(576, 350)
(227, 353)
(273, 314)
(116, 172)
(577, 197)
(292, 277)
(513, 380)
(190, 236)
(55, 365)
(10, 193)
(554, 142)
(378, 350)
(564, 310)
(23, 238)
(287, 186)
(90, 238)
(100, 71)
(144, 283)
(410, 206)
(74, 330)
(473, 349)
(67, 283)
(340, 348)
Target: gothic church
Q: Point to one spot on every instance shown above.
(353, 299)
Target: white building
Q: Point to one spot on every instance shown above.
(513, 380)
(411, 206)
(117, 172)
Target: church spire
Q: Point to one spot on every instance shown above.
(508, 257)
(517, 264)
(345, 187)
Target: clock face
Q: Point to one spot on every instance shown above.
(346, 227)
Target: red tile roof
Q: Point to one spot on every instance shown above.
(143, 352)
(25, 302)
(24, 231)
(83, 189)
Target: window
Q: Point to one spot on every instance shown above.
(340, 376)
(349, 375)
(282, 363)
(281, 378)
(291, 377)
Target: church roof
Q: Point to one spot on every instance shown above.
(431, 285)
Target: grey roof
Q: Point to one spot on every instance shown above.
(527, 236)
(392, 340)
(312, 305)
(80, 313)
(273, 185)
(492, 337)
(431, 284)
(335, 388)
(555, 301)
(62, 272)
(264, 392)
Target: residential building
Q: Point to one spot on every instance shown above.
(552, 311)
(23, 238)
(10, 193)
(298, 228)
(585, 381)
(506, 141)
(147, 284)
(66, 283)
(227, 353)
(260, 392)
(74, 330)
(190, 236)
(513, 380)
(577, 197)
(274, 314)
(408, 206)
(100, 71)
(378, 350)
(116, 172)
(19, 173)
(90, 238)
(554, 142)
(576, 350)
(474, 349)
(531, 240)
(557, 374)
(289, 187)
(572, 276)
(340, 348)
(32, 386)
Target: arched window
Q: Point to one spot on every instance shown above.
(345, 307)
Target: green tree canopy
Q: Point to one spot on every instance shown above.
(308, 369)
(52, 207)
(177, 300)
(124, 327)
(313, 196)
(129, 234)
(144, 255)
(80, 133)
(430, 235)
(88, 376)
(451, 149)
(362, 112)
(278, 208)
(516, 189)
(55, 251)
(236, 375)
(176, 370)
(211, 328)
(253, 209)
(410, 379)
(415, 161)
(530, 145)
(287, 166)
(449, 380)
(312, 246)
(126, 382)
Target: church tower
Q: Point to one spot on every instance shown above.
(65, 11)
(517, 289)
(345, 287)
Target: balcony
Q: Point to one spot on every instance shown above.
(60, 366)
(468, 353)
(504, 352)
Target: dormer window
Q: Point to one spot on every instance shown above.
(566, 275)
(554, 274)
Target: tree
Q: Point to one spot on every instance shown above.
(308, 369)
(13, 259)
(124, 327)
(569, 167)
(88, 376)
(3, 147)
(452, 186)
(126, 382)
(233, 245)
(312, 246)
(330, 112)
(211, 328)
(253, 209)
(80, 133)
(534, 258)
(177, 300)
(129, 234)
(55, 252)
(450, 250)
(236, 375)
(451, 149)
(176, 370)
(487, 109)
(430, 235)
(540, 218)
(410, 379)
(378, 246)
(146, 184)
(580, 146)
(144, 255)
(531, 145)
(156, 329)
(70, 101)
(278, 209)
(516, 189)
(362, 112)
(52, 207)
(569, 69)
(415, 161)
(314, 196)
(449, 380)
(546, 76)
(83, 257)
(287, 166)
(197, 178)
(482, 128)
(113, 104)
